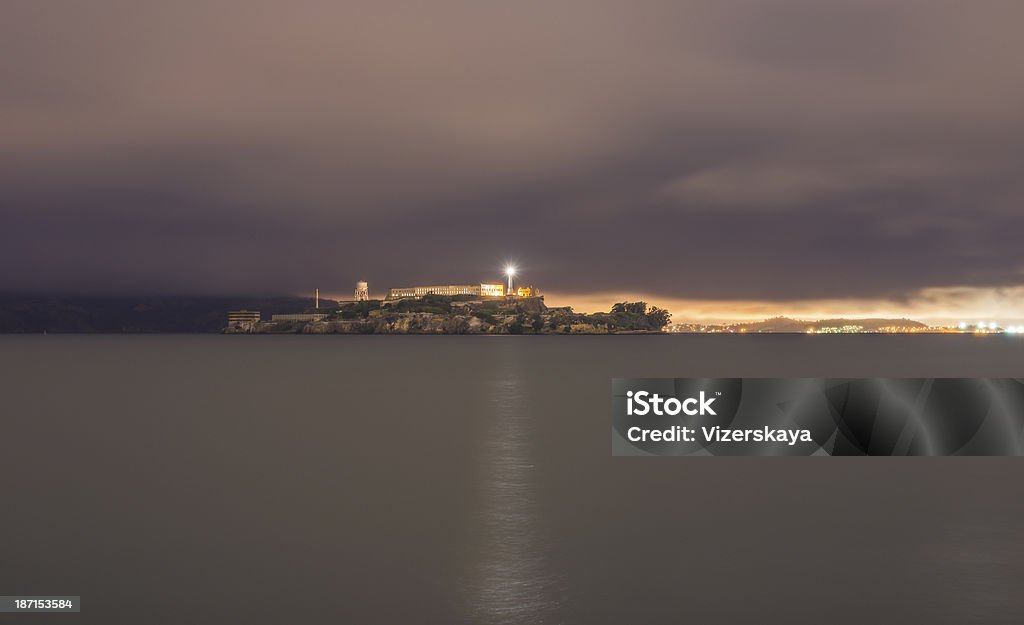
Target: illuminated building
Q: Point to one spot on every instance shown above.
(243, 318)
(480, 290)
(362, 291)
(299, 317)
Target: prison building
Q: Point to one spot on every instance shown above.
(243, 318)
(479, 290)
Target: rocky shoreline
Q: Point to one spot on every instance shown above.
(443, 315)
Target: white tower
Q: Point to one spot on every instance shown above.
(362, 291)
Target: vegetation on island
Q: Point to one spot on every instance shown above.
(435, 314)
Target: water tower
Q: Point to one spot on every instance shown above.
(362, 291)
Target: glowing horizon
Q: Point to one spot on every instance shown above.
(945, 306)
(938, 306)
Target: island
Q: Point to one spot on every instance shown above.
(457, 314)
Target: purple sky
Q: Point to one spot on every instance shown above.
(752, 150)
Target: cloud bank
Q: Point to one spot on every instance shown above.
(776, 151)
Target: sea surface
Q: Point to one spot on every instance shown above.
(446, 480)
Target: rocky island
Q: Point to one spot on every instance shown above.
(436, 314)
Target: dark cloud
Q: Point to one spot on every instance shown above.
(750, 150)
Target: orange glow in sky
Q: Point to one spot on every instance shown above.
(936, 306)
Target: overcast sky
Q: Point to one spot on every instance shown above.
(785, 153)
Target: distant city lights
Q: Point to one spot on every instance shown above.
(962, 327)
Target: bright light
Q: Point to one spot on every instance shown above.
(510, 270)
(962, 325)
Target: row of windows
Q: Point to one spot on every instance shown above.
(490, 290)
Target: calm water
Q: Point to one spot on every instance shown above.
(336, 479)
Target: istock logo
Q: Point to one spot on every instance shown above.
(646, 403)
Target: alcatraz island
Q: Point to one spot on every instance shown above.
(485, 308)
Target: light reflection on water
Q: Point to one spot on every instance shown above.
(511, 581)
(438, 480)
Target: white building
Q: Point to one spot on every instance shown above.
(479, 290)
(246, 319)
(299, 317)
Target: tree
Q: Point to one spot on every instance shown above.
(658, 317)
(632, 308)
